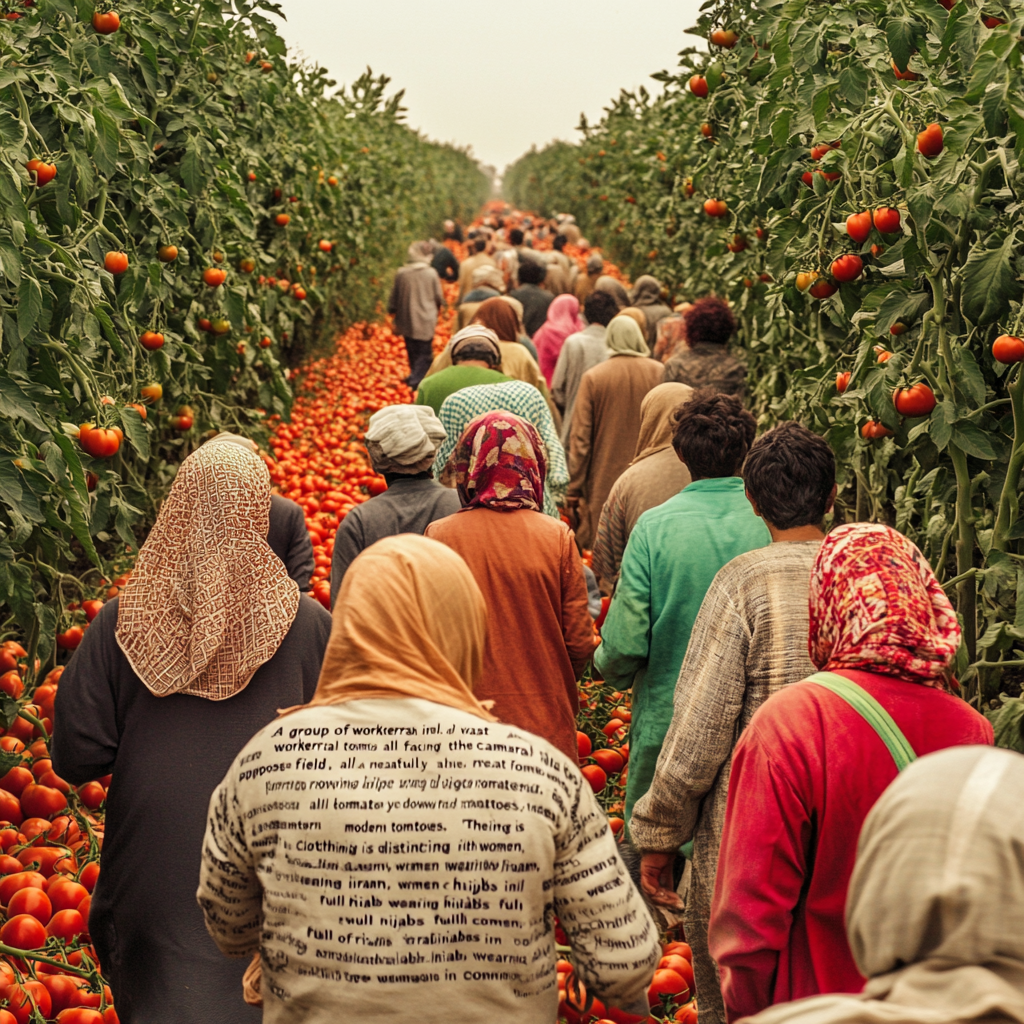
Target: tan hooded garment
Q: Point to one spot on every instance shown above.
(209, 602)
(935, 910)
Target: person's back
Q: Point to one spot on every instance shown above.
(433, 390)
(289, 539)
(535, 300)
(445, 263)
(703, 360)
(811, 764)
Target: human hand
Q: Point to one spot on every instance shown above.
(656, 879)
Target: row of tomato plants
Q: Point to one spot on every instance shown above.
(849, 176)
(184, 213)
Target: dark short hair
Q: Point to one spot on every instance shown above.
(710, 321)
(480, 244)
(600, 308)
(515, 236)
(790, 472)
(559, 242)
(712, 434)
(484, 353)
(531, 272)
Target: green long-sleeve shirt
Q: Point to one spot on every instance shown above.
(672, 556)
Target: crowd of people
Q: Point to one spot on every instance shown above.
(395, 804)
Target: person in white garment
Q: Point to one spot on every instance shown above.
(392, 849)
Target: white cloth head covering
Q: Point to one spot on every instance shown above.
(935, 910)
(404, 438)
(479, 334)
(420, 252)
(490, 276)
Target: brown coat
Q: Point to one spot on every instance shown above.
(605, 428)
(539, 631)
(466, 268)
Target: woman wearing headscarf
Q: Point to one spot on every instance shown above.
(818, 754)
(607, 283)
(606, 422)
(522, 337)
(563, 319)
(935, 913)
(497, 315)
(417, 849)
(488, 283)
(529, 569)
(654, 475)
(637, 315)
(646, 295)
(520, 400)
(208, 639)
(402, 441)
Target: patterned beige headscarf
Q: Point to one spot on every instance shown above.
(208, 602)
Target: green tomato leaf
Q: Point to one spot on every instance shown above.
(30, 305)
(989, 282)
(972, 440)
(900, 35)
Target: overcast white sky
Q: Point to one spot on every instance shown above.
(498, 77)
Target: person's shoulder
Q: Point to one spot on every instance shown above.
(773, 559)
(311, 615)
(285, 507)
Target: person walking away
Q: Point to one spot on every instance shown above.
(452, 230)
(521, 336)
(443, 841)
(487, 284)
(749, 640)
(654, 476)
(528, 567)
(818, 754)
(606, 422)
(703, 360)
(579, 353)
(478, 258)
(534, 298)
(585, 282)
(671, 333)
(521, 400)
(936, 899)
(208, 639)
(416, 299)
(672, 556)
(476, 355)
(445, 263)
(516, 362)
(402, 441)
(607, 283)
(646, 295)
(563, 319)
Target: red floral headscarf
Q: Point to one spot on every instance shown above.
(876, 605)
(500, 464)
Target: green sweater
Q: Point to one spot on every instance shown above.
(672, 556)
(437, 387)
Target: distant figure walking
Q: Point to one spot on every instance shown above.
(416, 299)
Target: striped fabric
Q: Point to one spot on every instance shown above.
(521, 400)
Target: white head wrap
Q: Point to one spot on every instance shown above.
(404, 438)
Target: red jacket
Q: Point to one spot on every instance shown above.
(805, 773)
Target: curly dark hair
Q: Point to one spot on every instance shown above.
(709, 321)
(531, 272)
(712, 434)
(599, 308)
(790, 472)
(515, 236)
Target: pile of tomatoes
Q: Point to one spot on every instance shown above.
(50, 839)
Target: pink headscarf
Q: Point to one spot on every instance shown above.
(563, 320)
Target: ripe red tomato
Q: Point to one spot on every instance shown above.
(667, 983)
(69, 639)
(817, 152)
(168, 253)
(887, 220)
(1007, 349)
(686, 1014)
(182, 419)
(33, 902)
(299, 293)
(595, 775)
(858, 226)
(11, 684)
(265, 342)
(80, 1015)
(41, 172)
(10, 884)
(23, 931)
(214, 277)
(738, 244)
(699, 86)
(22, 998)
(848, 267)
(929, 142)
(706, 130)
(99, 442)
(14, 783)
(106, 22)
(898, 328)
(88, 877)
(42, 801)
(822, 289)
(716, 207)
(583, 745)
(873, 430)
(151, 340)
(724, 37)
(92, 795)
(116, 262)
(610, 760)
(904, 76)
(66, 925)
(842, 381)
(66, 894)
(917, 400)
(325, 246)
(282, 220)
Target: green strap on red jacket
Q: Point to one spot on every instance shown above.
(872, 712)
